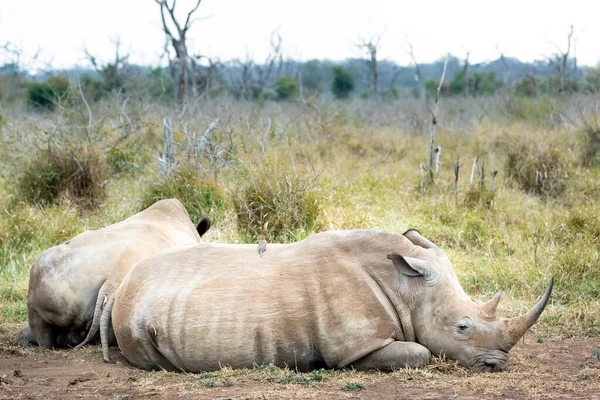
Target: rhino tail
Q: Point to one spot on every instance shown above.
(105, 292)
(104, 328)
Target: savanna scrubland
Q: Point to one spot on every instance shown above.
(281, 170)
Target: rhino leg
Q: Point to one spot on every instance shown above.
(42, 332)
(25, 337)
(395, 355)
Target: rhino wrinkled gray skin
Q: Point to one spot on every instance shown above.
(365, 299)
(67, 280)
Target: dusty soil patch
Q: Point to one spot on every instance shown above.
(554, 369)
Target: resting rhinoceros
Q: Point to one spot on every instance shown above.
(66, 280)
(365, 299)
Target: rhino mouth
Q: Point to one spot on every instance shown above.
(494, 361)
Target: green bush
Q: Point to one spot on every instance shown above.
(390, 94)
(576, 267)
(479, 83)
(538, 168)
(276, 205)
(79, 176)
(531, 108)
(286, 88)
(592, 80)
(92, 87)
(590, 144)
(342, 84)
(199, 196)
(552, 86)
(529, 86)
(121, 161)
(47, 94)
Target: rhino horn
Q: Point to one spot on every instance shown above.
(488, 310)
(516, 327)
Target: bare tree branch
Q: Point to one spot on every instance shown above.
(179, 44)
(418, 75)
(371, 47)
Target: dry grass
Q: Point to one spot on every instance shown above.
(79, 175)
(276, 205)
(298, 168)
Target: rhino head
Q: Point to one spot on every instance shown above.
(444, 318)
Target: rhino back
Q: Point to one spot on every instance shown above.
(65, 279)
(301, 305)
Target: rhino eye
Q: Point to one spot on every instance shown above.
(463, 326)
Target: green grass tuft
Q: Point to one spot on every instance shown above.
(352, 387)
(277, 205)
(201, 197)
(78, 175)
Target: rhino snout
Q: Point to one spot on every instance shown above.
(489, 361)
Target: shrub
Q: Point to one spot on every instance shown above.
(342, 84)
(79, 176)
(538, 168)
(529, 86)
(47, 94)
(483, 83)
(538, 108)
(478, 195)
(121, 160)
(576, 266)
(390, 94)
(286, 88)
(592, 80)
(199, 196)
(590, 144)
(275, 205)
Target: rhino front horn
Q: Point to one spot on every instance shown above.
(516, 327)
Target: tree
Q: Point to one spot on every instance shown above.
(46, 95)
(112, 74)
(529, 86)
(560, 62)
(371, 47)
(342, 84)
(182, 61)
(418, 74)
(253, 78)
(286, 88)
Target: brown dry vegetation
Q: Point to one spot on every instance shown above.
(284, 170)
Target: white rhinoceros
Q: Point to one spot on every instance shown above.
(364, 299)
(67, 280)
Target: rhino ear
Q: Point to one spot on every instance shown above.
(404, 266)
(203, 225)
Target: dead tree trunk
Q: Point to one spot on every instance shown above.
(560, 61)
(371, 47)
(465, 73)
(418, 74)
(179, 44)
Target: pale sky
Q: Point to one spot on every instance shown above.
(526, 29)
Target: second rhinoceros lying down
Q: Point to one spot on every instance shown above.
(67, 280)
(364, 299)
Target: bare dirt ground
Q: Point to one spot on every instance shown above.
(554, 369)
